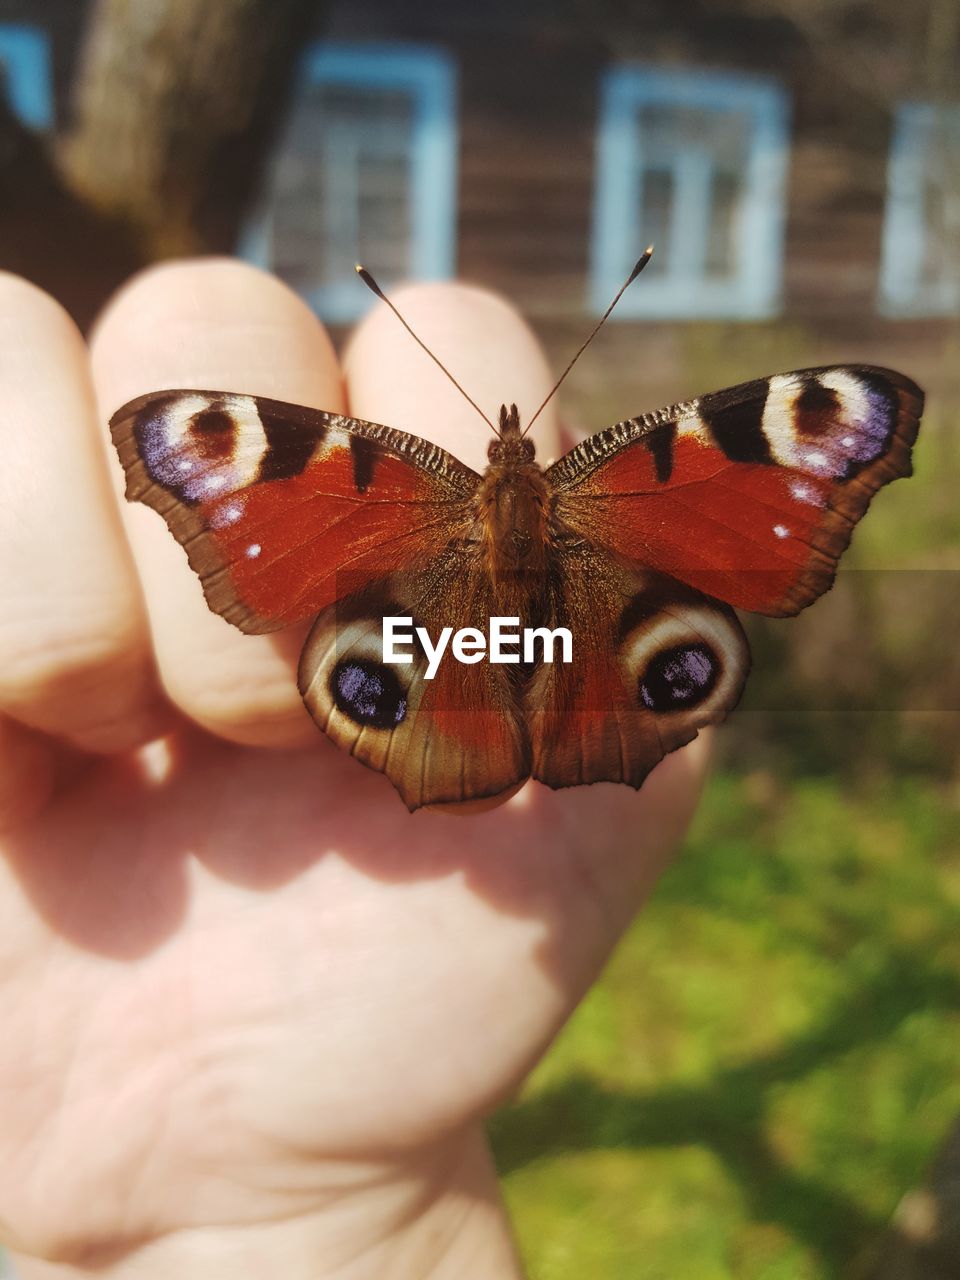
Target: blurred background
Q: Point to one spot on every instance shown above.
(765, 1083)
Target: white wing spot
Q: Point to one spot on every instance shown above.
(805, 493)
(254, 550)
(184, 465)
(817, 459)
(848, 442)
(229, 513)
(781, 531)
(213, 484)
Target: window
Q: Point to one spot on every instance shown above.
(695, 163)
(25, 75)
(365, 172)
(920, 271)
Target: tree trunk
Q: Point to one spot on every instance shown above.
(176, 103)
(50, 235)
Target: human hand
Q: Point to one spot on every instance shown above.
(254, 1010)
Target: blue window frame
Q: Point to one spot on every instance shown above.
(25, 74)
(920, 268)
(696, 163)
(364, 172)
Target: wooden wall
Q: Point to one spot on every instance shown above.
(529, 76)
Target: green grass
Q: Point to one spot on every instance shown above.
(770, 1060)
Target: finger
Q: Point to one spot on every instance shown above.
(27, 771)
(75, 656)
(485, 344)
(614, 843)
(222, 325)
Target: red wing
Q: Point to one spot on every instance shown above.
(283, 509)
(749, 495)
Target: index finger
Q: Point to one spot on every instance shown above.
(75, 659)
(221, 325)
(483, 342)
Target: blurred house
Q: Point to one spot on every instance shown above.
(797, 164)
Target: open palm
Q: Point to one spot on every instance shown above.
(254, 1010)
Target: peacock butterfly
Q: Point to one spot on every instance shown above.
(641, 541)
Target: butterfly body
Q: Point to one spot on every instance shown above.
(639, 542)
(515, 507)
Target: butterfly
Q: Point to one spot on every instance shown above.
(641, 541)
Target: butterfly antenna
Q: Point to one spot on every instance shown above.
(638, 267)
(372, 285)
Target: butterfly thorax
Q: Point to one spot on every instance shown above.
(514, 506)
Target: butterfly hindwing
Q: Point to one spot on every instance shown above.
(458, 735)
(284, 509)
(655, 663)
(751, 494)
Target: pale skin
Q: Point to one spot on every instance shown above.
(254, 1012)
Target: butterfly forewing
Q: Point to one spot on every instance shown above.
(749, 495)
(282, 508)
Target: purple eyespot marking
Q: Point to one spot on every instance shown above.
(866, 436)
(679, 677)
(187, 452)
(844, 421)
(164, 461)
(879, 422)
(368, 693)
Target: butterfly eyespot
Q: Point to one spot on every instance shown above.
(212, 432)
(679, 677)
(368, 693)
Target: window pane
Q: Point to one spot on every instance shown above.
(696, 163)
(342, 183)
(654, 206)
(365, 172)
(941, 204)
(726, 198)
